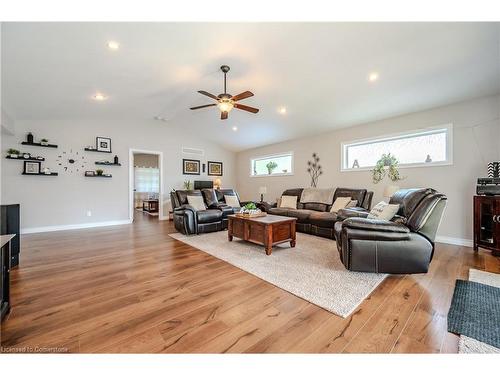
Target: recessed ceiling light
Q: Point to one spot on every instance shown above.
(113, 45)
(282, 110)
(159, 118)
(373, 77)
(99, 97)
(235, 128)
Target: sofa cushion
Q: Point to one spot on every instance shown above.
(210, 197)
(323, 219)
(209, 216)
(301, 215)
(279, 211)
(288, 201)
(232, 200)
(355, 194)
(383, 211)
(340, 203)
(197, 202)
(321, 207)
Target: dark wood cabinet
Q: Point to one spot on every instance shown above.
(10, 224)
(487, 223)
(5, 266)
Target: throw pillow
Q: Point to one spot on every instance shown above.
(232, 200)
(340, 203)
(288, 201)
(196, 201)
(383, 211)
(352, 203)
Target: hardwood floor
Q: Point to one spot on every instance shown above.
(132, 288)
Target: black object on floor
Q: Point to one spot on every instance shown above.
(475, 312)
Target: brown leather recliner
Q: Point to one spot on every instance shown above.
(213, 218)
(403, 245)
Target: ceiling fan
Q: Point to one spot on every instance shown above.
(227, 102)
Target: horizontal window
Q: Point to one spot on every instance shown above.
(272, 165)
(418, 148)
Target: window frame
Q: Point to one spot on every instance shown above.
(407, 134)
(281, 154)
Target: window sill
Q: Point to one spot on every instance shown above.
(272, 175)
(402, 166)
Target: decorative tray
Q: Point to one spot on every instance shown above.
(260, 214)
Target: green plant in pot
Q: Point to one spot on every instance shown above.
(271, 166)
(44, 141)
(99, 172)
(13, 153)
(187, 185)
(387, 164)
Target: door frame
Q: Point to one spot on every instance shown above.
(132, 151)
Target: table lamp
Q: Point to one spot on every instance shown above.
(262, 191)
(217, 183)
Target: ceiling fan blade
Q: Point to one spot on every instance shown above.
(223, 115)
(203, 106)
(241, 96)
(246, 108)
(208, 94)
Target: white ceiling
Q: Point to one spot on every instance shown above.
(317, 70)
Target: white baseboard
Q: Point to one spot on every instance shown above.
(73, 226)
(454, 241)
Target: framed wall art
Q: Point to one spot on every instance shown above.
(103, 144)
(31, 167)
(214, 168)
(190, 166)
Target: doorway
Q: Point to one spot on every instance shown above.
(146, 185)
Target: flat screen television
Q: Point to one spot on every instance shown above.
(203, 185)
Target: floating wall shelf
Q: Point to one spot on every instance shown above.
(107, 163)
(24, 159)
(40, 174)
(38, 145)
(92, 150)
(100, 176)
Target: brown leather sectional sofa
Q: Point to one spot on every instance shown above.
(316, 218)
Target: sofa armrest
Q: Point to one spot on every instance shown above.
(185, 207)
(375, 225)
(346, 213)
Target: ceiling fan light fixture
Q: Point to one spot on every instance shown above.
(225, 105)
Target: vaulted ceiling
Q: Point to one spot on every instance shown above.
(318, 71)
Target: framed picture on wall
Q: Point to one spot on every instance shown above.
(190, 166)
(31, 167)
(214, 168)
(103, 144)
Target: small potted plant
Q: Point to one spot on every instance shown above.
(44, 142)
(187, 185)
(387, 164)
(272, 165)
(99, 172)
(13, 153)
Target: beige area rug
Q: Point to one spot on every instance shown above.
(312, 270)
(468, 344)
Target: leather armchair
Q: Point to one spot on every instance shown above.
(188, 221)
(403, 245)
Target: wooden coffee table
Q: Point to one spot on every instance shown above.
(268, 230)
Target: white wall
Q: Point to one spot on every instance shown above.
(476, 141)
(64, 200)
